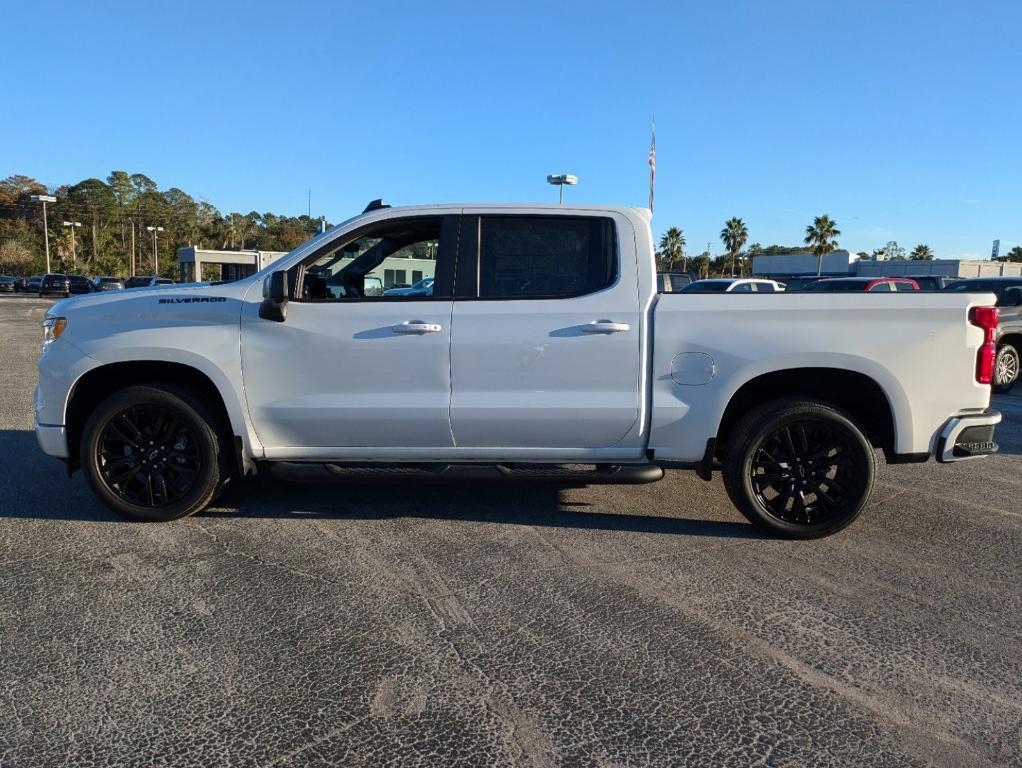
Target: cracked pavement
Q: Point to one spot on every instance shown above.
(471, 623)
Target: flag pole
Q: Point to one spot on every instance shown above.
(652, 165)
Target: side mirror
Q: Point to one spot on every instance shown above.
(274, 306)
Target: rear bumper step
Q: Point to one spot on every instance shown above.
(968, 437)
(589, 474)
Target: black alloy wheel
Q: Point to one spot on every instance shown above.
(799, 468)
(152, 452)
(806, 472)
(148, 456)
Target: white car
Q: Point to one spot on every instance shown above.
(544, 348)
(733, 285)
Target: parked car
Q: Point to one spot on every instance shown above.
(1008, 338)
(871, 284)
(423, 287)
(733, 285)
(54, 284)
(34, 282)
(21, 284)
(931, 282)
(7, 284)
(544, 344)
(147, 281)
(79, 284)
(107, 283)
(671, 282)
(800, 283)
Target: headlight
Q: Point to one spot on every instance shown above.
(52, 328)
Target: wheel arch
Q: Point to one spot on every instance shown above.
(1013, 337)
(854, 392)
(98, 383)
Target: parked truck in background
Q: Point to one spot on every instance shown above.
(1008, 291)
(542, 349)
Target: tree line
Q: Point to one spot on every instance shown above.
(99, 227)
(820, 239)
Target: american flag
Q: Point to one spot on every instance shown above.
(652, 166)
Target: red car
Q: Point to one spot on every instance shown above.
(885, 284)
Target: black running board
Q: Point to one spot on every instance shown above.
(588, 474)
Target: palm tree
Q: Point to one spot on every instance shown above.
(923, 252)
(734, 236)
(672, 247)
(821, 236)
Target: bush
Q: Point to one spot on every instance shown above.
(15, 257)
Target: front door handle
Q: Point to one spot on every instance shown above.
(416, 326)
(604, 326)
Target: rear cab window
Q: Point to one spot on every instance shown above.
(539, 257)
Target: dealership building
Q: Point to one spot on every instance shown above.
(843, 264)
(194, 263)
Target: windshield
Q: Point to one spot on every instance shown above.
(998, 288)
(706, 287)
(838, 285)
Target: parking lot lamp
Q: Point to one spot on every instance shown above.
(156, 251)
(44, 199)
(74, 255)
(559, 180)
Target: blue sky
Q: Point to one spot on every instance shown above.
(902, 120)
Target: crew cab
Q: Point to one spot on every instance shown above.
(542, 349)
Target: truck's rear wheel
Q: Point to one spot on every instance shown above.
(151, 453)
(798, 468)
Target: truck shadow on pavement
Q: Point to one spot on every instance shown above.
(515, 502)
(34, 486)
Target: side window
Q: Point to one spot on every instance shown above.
(903, 287)
(534, 257)
(678, 282)
(880, 287)
(764, 288)
(742, 288)
(376, 263)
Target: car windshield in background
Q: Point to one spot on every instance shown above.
(838, 285)
(706, 286)
(998, 287)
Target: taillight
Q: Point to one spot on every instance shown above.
(986, 318)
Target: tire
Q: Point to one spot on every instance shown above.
(772, 468)
(1006, 369)
(152, 453)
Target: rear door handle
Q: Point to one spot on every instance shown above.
(605, 326)
(416, 326)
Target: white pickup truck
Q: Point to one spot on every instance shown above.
(542, 349)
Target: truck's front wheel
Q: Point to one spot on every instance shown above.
(151, 453)
(798, 468)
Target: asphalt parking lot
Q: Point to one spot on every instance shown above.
(494, 624)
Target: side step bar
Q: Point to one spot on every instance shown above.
(588, 474)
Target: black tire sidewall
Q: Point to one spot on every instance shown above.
(754, 428)
(189, 411)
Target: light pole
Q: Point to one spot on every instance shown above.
(44, 199)
(156, 252)
(74, 256)
(559, 180)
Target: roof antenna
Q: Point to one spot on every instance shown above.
(376, 205)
